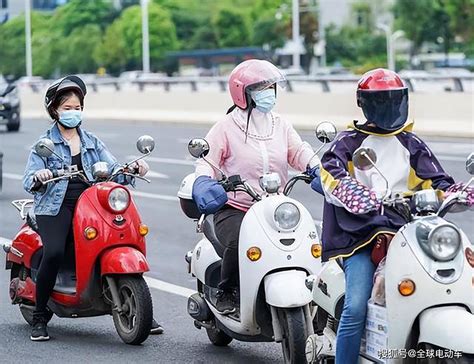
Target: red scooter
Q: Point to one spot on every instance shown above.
(103, 269)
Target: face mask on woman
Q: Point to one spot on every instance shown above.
(264, 100)
(70, 119)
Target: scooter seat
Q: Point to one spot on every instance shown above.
(209, 231)
(31, 220)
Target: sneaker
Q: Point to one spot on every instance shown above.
(225, 302)
(39, 331)
(156, 328)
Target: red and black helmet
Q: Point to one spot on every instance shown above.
(383, 97)
(61, 86)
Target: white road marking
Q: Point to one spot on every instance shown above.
(168, 287)
(451, 158)
(155, 196)
(183, 162)
(4, 240)
(153, 174)
(17, 177)
(152, 282)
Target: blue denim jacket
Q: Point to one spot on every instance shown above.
(49, 201)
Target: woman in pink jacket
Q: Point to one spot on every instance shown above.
(249, 141)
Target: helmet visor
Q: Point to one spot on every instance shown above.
(387, 109)
(264, 77)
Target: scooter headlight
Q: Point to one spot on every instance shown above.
(444, 242)
(287, 216)
(119, 199)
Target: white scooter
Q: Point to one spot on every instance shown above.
(278, 249)
(428, 287)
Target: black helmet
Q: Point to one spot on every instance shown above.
(58, 87)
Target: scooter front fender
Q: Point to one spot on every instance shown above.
(287, 289)
(123, 260)
(438, 324)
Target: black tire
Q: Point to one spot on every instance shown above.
(294, 330)
(133, 324)
(13, 125)
(464, 359)
(27, 313)
(218, 337)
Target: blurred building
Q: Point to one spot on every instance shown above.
(354, 12)
(12, 8)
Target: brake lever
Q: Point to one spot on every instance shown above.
(137, 176)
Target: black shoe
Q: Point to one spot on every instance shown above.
(39, 331)
(156, 328)
(225, 302)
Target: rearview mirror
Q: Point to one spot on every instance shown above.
(198, 147)
(364, 158)
(44, 147)
(470, 164)
(326, 132)
(145, 144)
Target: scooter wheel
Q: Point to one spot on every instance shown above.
(27, 313)
(294, 335)
(133, 322)
(218, 337)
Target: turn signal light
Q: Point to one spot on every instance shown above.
(143, 229)
(90, 233)
(470, 257)
(254, 253)
(406, 287)
(316, 250)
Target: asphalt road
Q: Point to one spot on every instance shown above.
(171, 236)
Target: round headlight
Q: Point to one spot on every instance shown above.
(287, 216)
(119, 199)
(444, 242)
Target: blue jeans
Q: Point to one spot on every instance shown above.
(359, 272)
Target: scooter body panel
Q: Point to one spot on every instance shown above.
(329, 287)
(259, 230)
(123, 260)
(402, 263)
(438, 324)
(89, 212)
(286, 289)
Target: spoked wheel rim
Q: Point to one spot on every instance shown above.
(127, 318)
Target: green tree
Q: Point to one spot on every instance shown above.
(128, 28)
(231, 27)
(78, 48)
(355, 47)
(426, 21)
(112, 51)
(12, 49)
(78, 13)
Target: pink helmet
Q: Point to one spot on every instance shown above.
(252, 74)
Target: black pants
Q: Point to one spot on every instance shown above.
(227, 222)
(55, 232)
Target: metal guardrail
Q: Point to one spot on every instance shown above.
(221, 82)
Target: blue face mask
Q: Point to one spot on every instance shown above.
(70, 119)
(264, 100)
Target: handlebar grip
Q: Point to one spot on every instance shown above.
(55, 173)
(37, 185)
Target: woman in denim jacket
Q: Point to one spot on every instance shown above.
(54, 203)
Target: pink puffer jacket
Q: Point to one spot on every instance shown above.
(272, 145)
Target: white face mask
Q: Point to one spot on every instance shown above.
(70, 119)
(265, 100)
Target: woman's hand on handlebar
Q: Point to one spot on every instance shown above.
(43, 175)
(139, 167)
